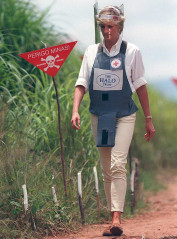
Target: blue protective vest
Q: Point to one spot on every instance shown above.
(110, 94)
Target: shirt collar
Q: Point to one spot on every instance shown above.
(115, 48)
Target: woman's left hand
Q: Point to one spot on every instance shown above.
(149, 130)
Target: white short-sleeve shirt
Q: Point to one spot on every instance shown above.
(133, 64)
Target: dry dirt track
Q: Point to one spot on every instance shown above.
(159, 222)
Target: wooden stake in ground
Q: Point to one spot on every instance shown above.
(132, 188)
(79, 180)
(132, 176)
(25, 195)
(54, 195)
(97, 189)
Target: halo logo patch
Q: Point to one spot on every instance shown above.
(107, 80)
(116, 63)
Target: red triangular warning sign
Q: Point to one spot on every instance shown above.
(49, 59)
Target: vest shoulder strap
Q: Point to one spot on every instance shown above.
(100, 48)
(123, 47)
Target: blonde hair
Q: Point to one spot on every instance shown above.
(111, 10)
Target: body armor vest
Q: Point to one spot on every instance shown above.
(110, 94)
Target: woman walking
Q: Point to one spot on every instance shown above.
(111, 71)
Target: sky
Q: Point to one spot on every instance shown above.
(151, 25)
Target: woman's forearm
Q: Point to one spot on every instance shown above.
(78, 96)
(144, 99)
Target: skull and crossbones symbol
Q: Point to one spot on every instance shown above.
(50, 61)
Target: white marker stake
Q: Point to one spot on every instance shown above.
(97, 189)
(132, 188)
(54, 195)
(79, 183)
(25, 198)
(132, 181)
(96, 179)
(80, 196)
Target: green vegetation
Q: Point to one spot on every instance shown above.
(29, 140)
(162, 151)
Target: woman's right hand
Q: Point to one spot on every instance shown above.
(78, 95)
(75, 120)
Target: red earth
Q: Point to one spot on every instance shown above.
(160, 222)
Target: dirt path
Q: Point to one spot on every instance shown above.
(159, 222)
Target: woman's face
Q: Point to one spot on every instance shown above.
(110, 32)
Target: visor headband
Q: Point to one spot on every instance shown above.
(115, 9)
(108, 17)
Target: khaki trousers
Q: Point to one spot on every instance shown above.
(113, 161)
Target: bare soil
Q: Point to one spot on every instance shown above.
(160, 222)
